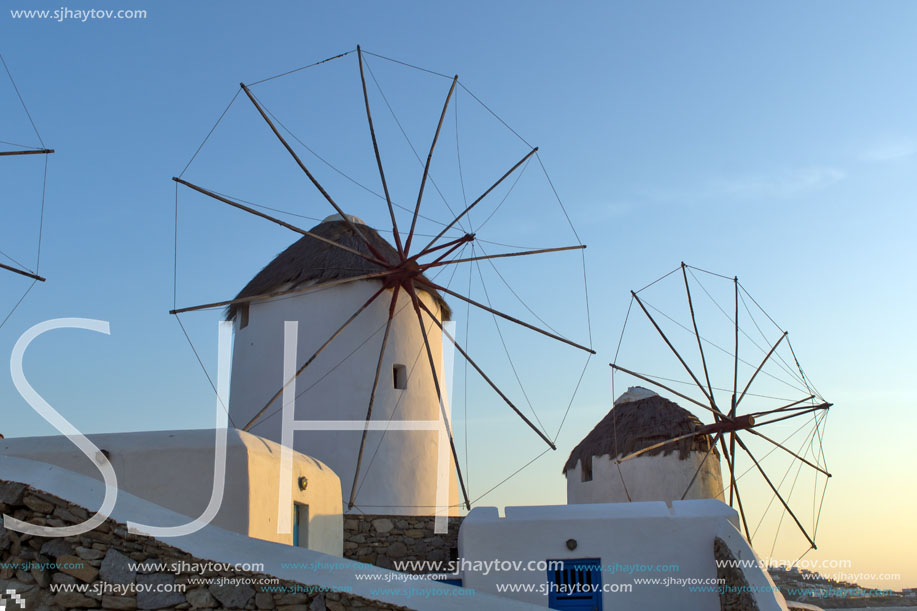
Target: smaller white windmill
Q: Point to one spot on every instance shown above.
(708, 342)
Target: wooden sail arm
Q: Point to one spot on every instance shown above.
(26, 152)
(22, 272)
(312, 178)
(426, 168)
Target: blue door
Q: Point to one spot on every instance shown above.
(300, 525)
(577, 586)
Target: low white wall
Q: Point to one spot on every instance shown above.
(647, 478)
(174, 469)
(647, 535)
(283, 561)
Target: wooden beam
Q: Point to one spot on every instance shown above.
(787, 450)
(785, 407)
(486, 378)
(754, 375)
(439, 394)
(468, 237)
(735, 488)
(482, 196)
(733, 485)
(443, 289)
(309, 175)
(700, 344)
(674, 392)
(426, 167)
(655, 446)
(671, 347)
(768, 480)
(372, 394)
(735, 364)
(803, 411)
(712, 445)
(277, 221)
(22, 272)
(26, 152)
(372, 133)
(299, 291)
(501, 256)
(309, 361)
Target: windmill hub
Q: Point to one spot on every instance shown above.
(403, 274)
(739, 423)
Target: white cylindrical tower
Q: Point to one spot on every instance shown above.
(398, 474)
(641, 418)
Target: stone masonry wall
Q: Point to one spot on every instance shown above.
(30, 565)
(735, 596)
(381, 540)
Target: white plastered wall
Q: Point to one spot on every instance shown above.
(646, 478)
(399, 469)
(283, 561)
(174, 469)
(643, 536)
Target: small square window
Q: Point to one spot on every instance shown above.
(400, 376)
(243, 316)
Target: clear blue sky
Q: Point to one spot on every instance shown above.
(778, 142)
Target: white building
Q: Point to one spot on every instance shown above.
(605, 556)
(399, 468)
(326, 573)
(640, 418)
(602, 552)
(174, 469)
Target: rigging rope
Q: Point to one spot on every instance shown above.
(25, 267)
(41, 218)
(508, 193)
(18, 303)
(498, 117)
(336, 169)
(22, 101)
(518, 298)
(43, 192)
(509, 358)
(204, 369)
(786, 368)
(396, 61)
(210, 133)
(289, 72)
(720, 348)
(411, 145)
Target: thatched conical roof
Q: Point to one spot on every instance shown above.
(640, 423)
(310, 261)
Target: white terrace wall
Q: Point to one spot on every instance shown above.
(632, 540)
(174, 469)
(399, 469)
(328, 573)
